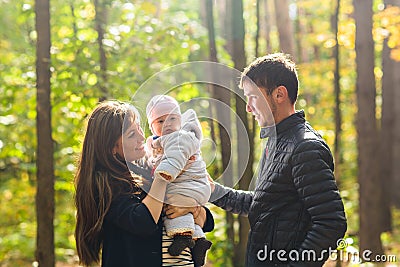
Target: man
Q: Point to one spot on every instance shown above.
(296, 213)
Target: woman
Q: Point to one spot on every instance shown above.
(115, 216)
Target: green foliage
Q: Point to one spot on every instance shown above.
(388, 26)
(17, 221)
(221, 251)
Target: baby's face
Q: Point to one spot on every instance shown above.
(166, 124)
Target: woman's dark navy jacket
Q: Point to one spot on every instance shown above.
(130, 235)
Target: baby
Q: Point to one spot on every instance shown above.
(176, 157)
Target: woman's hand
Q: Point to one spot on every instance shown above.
(200, 216)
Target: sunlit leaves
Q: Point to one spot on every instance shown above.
(388, 26)
(17, 214)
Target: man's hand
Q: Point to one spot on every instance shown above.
(175, 211)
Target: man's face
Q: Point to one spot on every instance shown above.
(261, 105)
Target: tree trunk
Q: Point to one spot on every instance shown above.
(223, 95)
(45, 170)
(213, 135)
(75, 38)
(368, 168)
(394, 69)
(244, 163)
(257, 37)
(267, 26)
(285, 28)
(229, 33)
(396, 140)
(316, 48)
(298, 36)
(101, 18)
(338, 115)
(386, 135)
(301, 31)
(209, 11)
(387, 132)
(221, 15)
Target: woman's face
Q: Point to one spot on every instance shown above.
(130, 145)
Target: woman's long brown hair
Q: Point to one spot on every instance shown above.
(100, 175)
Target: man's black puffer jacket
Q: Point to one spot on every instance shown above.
(296, 207)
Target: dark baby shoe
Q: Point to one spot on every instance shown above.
(199, 251)
(180, 243)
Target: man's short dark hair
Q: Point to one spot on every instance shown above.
(271, 71)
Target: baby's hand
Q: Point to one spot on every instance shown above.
(156, 143)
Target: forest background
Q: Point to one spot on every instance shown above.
(348, 55)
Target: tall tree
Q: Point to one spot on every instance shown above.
(338, 114)
(285, 28)
(316, 53)
(267, 25)
(222, 95)
(392, 115)
(237, 53)
(45, 170)
(258, 23)
(221, 15)
(300, 32)
(229, 33)
(387, 132)
(368, 168)
(101, 18)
